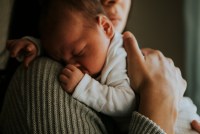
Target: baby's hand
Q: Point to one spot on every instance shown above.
(70, 77)
(22, 48)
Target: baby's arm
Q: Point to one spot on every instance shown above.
(112, 94)
(112, 100)
(25, 49)
(115, 99)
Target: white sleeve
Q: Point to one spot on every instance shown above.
(112, 94)
(114, 101)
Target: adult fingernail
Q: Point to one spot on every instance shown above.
(127, 35)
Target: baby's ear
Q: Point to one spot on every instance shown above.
(106, 24)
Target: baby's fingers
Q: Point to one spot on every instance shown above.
(67, 72)
(63, 79)
(67, 89)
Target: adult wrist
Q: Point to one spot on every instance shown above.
(142, 124)
(163, 111)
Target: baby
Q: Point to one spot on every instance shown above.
(79, 35)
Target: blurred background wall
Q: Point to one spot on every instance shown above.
(192, 49)
(173, 27)
(158, 24)
(5, 12)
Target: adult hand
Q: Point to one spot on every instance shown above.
(22, 49)
(157, 81)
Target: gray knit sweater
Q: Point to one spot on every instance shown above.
(35, 103)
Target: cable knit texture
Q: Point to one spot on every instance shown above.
(35, 103)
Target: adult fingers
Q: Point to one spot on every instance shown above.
(196, 125)
(10, 43)
(131, 46)
(135, 60)
(29, 55)
(17, 47)
(28, 60)
(147, 51)
(172, 63)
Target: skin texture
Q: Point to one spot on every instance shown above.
(73, 43)
(22, 47)
(146, 85)
(153, 75)
(117, 11)
(80, 44)
(195, 125)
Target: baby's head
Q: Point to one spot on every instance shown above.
(77, 32)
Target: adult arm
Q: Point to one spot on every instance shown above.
(158, 82)
(171, 79)
(36, 103)
(105, 98)
(141, 124)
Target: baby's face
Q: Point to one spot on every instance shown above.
(72, 41)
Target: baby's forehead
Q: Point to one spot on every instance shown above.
(88, 8)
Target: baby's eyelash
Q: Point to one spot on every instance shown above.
(80, 53)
